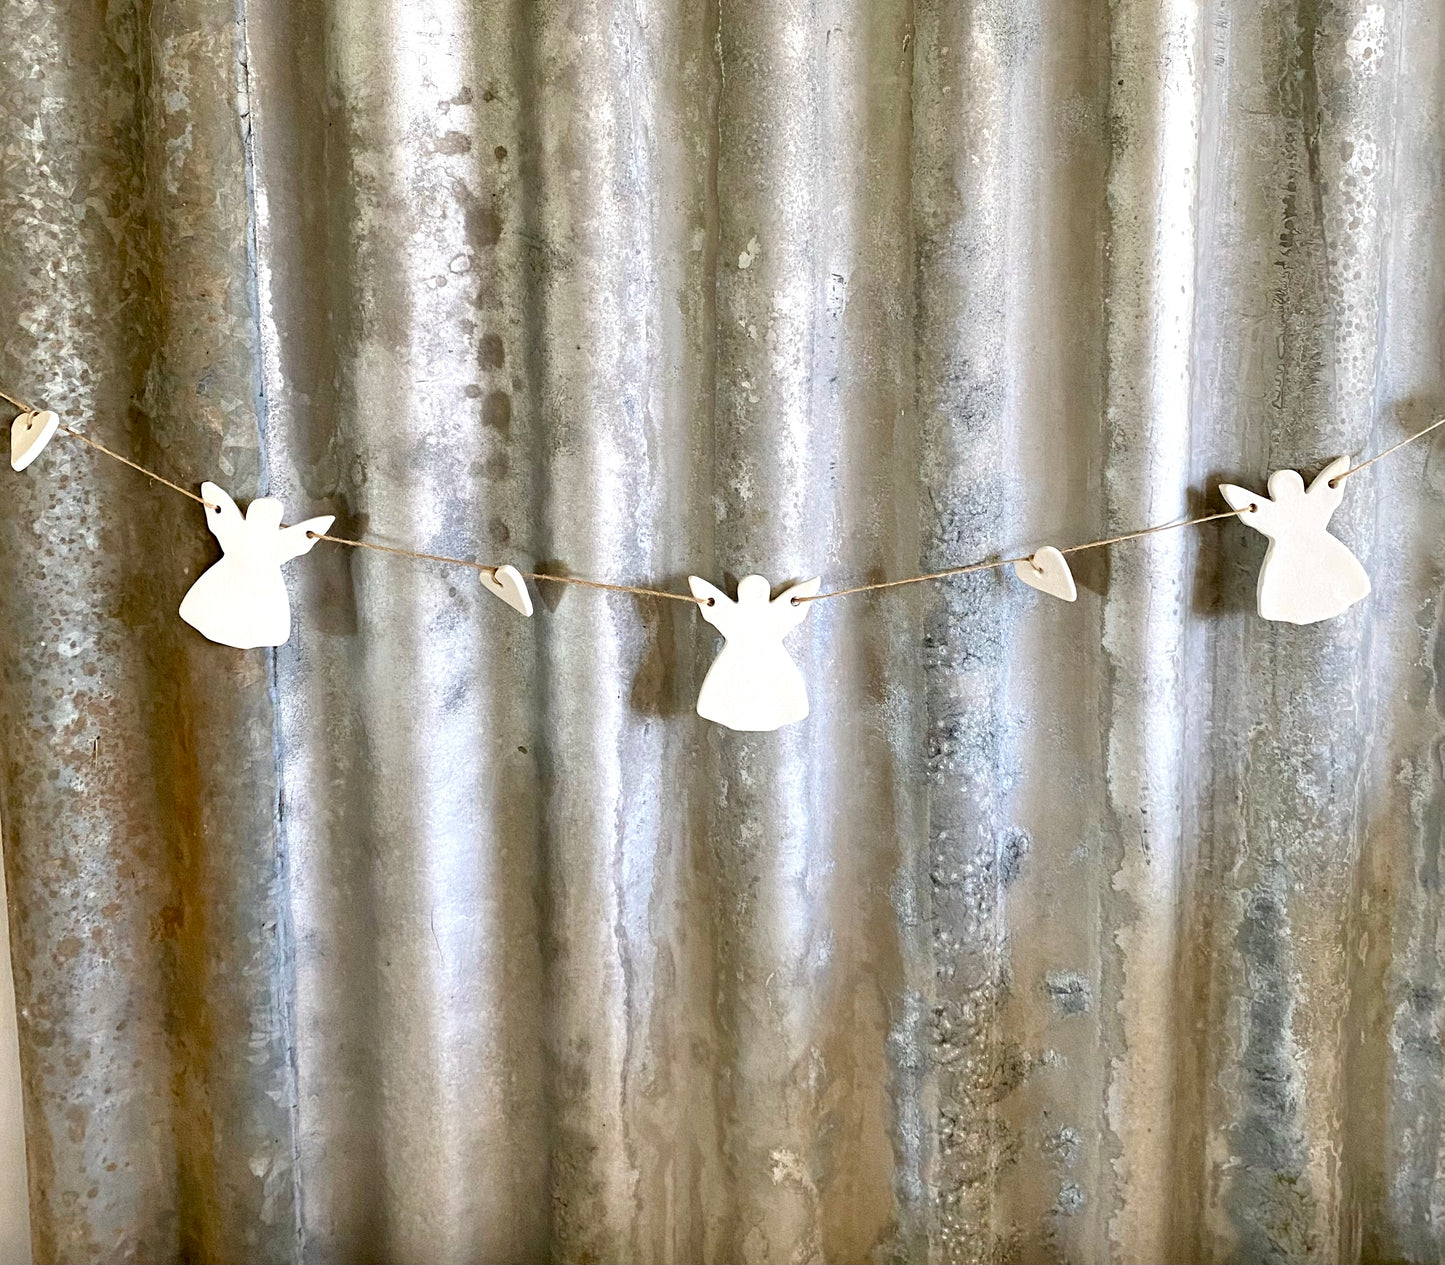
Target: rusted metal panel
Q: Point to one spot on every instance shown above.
(1092, 932)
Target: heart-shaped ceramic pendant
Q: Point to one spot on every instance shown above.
(29, 434)
(507, 583)
(1048, 572)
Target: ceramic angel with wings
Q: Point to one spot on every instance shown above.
(241, 601)
(753, 684)
(1308, 575)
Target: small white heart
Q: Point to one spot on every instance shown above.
(1048, 572)
(507, 583)
(29, 434)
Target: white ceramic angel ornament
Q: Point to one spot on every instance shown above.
(241, 601)
(753, 684)
(1307, 574)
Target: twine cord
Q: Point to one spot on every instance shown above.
(1149, 531)
(404, 553)
(1409, 439)
(149, 474)
(20, 404)
(912, 579)
(367, 544)
(615, 588)
(542, 577)
(1003, 562)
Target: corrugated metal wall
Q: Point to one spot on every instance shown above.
(1086, 933)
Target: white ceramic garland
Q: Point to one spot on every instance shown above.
(1307, 576)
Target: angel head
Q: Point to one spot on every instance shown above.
(754, 590)
(1286, 486)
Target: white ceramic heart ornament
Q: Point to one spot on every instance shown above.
(29, 433)
(508, 584)
(1048, 571)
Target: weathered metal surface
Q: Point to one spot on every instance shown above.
(1094, 932)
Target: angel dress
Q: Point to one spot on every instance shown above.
(753, 685)
(241, 601)
(1307, 574)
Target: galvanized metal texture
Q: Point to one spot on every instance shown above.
(1096, 932)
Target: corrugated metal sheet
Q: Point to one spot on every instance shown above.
(1104, 932)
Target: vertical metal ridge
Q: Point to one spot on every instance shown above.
(1153, 101)
(963, 220)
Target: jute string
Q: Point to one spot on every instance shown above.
(1380, 456)
(540, 576)
(543, 577)
(149, 474)
(1029, 558)
(86, 439)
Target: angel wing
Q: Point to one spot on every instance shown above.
(222, 516)
(1323, 498)
(788, 614)
(292, 542)
(1255, 509)
(714, 605)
